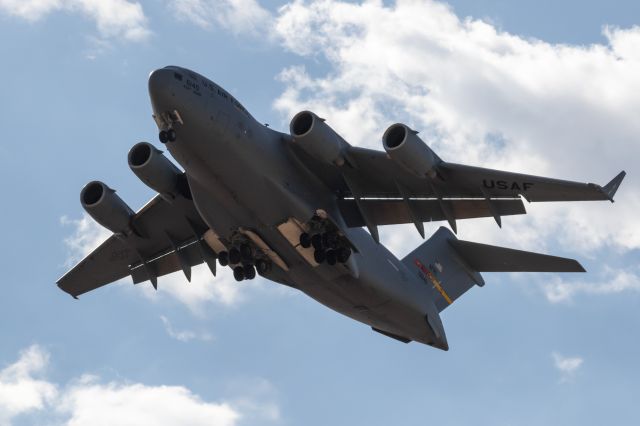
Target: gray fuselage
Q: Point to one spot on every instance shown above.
(244, 175)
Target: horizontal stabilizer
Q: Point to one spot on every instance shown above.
(451, 266)
(487, 258)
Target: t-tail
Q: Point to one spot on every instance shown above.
(451, 266)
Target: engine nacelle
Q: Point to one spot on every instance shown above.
(102, 204)
(405, 148)
(156, 170)
(317, 138)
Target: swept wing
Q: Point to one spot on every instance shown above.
(169, 239)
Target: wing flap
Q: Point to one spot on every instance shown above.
(167, 264)
(392, 212)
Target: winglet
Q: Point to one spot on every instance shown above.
(610, 189)
(66, 291)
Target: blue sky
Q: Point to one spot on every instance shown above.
(541, 87)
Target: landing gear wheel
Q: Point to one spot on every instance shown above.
(305, 240)
(246, 253)
(163, 136)
(238, 273)
(330, 240)
(234, 256)
(343, 254)
(223, 258)
(319, 255)
(316, 241)
(332, 257)
(171, 135)
(263, 266)
(249, 272)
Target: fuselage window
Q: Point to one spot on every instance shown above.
(177, 76)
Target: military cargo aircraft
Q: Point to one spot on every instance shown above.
(293, 208)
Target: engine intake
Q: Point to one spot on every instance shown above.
(316, 138)
(157, 171)
(106, 208)
(405, 148)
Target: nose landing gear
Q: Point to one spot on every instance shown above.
(166, 136)
(167, 121)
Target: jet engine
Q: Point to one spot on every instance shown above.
(405, 148)
(157, 171)
(317, 138)
(102, 204)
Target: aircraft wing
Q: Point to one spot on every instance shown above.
(378, 176)
(169, 239)
(374, 190)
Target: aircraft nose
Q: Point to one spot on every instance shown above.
(159, 81)
(162, 84)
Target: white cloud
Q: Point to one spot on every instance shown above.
(184, 335)
(236, 16)
(257, 401)
(479, 96)
(31, 10)
(87, 235)
(558, 290)
(203, 291)
(567, 366)
(117, 19)
(20, 390)
(88, 401)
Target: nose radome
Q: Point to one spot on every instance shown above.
(161, 88)
(158, 81)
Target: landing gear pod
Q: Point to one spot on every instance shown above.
(106, 208)
(405, 148)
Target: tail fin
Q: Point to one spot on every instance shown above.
(453, 266)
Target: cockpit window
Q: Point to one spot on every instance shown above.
(177, 76)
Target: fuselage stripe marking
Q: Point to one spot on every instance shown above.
(434, 280)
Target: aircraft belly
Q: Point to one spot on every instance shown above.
(231, 191)
(382, 297)
(363, 299)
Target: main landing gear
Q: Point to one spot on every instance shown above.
(328, 246)
(245, 260)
